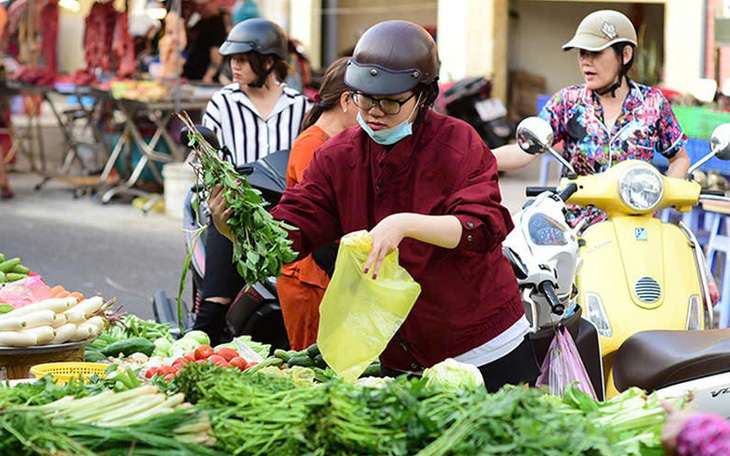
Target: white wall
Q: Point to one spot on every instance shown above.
(356, 16)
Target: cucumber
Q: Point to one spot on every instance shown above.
(301, 360)
(7, 266)
(20, 269)
(129, 346)
(373, 370)
(93, 356)
(320, 362)
(313, 351)
(12, 277)
(282, 354)
(276, 362)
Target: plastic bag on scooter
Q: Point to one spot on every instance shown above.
(359, 315)
(563, 366)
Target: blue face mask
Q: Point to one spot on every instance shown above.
(388, 136)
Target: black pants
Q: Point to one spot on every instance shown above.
(517, 366)
(221, 280)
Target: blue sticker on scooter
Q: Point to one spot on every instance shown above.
(641, 234)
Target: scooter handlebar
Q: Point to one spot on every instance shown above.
(548, 290)
(567, 192)
(534, 191)
(563, 194)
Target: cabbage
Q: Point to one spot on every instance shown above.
(451, 376)
(199, 336)
(183, 346)
(162, 346)
(262, 349)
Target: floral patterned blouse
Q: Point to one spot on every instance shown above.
(646, 126)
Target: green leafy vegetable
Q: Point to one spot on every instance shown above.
(261, 244)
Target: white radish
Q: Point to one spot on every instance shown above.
(75, 315)
(59, 321)
(99, 322)
(64, 333)
(17, 339)
(54, 304)
(12, 324)
(94, 331)
(43, 334)
(41, 318)
(82, 332)
(91, 306)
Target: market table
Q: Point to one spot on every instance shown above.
(32, 131)
(66, 122)
(159, 112)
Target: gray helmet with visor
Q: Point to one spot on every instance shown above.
(260, 35)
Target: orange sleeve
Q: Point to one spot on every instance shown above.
(302, 152)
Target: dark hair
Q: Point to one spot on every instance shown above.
(428, 94)
(259, 62)
(619, 49)
(332, 88)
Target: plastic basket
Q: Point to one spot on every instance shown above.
(63, 372)
(698, 122)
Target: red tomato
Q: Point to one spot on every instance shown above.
(169, 377)
(190, 357)
(218, 360)
(227, 353)
(182, 360)
(239, 363)
(177, 366)
(203, 352)
(151, 372)
(252, 364)
(165, 370)
(201, 361)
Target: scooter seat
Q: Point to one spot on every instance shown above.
(655, 359)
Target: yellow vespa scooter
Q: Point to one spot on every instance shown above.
(638, 273)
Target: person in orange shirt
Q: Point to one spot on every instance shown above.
(303, 283)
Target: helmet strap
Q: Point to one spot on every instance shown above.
(257, 84)
(615, 86)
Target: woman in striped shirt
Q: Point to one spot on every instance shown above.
(254, 116)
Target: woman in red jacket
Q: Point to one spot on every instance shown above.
(427, 184)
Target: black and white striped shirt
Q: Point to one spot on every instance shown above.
(235, 120)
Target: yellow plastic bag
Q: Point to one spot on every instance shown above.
(359, 315)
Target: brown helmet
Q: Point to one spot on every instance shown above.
(392, 57)
(601, 29)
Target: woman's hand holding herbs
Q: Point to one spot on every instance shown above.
(220, 212)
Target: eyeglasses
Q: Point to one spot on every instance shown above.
(387, 105)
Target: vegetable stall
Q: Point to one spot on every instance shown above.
(137, 390)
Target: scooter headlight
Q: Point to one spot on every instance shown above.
(641, 188)
(597, 315)
(694, 313)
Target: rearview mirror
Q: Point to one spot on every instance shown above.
(720, 142)
(207, 134)
(534, 135)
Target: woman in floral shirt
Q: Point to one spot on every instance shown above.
(609, 118)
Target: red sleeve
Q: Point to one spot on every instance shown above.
(310, 207)
(476, 201)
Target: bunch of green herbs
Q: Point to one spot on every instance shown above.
(261, 245)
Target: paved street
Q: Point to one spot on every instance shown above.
(115, 249)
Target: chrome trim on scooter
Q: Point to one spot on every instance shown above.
(526, 292)
(704, 281)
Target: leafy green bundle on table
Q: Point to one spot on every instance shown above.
(261, 245)
(268, 415)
